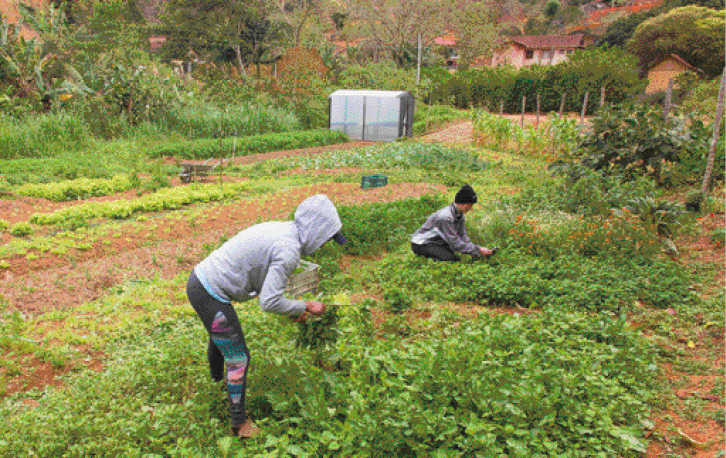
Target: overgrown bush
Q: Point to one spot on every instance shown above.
(641, 140)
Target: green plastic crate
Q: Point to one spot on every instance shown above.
(373, 181)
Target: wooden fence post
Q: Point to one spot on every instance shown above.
(538, 99)
(524, 103)
(562, 102)
(669, 97)
(584, 107)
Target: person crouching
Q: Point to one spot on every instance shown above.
(444, 232)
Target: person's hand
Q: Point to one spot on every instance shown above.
(315, 307)
(486, 252)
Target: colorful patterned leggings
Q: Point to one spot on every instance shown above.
(226, 346)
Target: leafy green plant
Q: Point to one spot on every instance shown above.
(316, 332)
(397, 300)
(660, 217)
(568, 385)
(406, 155)
(80, 188)
(167, 199)
(21, 229)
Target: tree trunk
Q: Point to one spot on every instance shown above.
(562, 102)
(706, 186)
(238, 53)
(584, 107)
(524, 104)
(669, 97)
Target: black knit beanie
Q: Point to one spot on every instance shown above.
(466, 195)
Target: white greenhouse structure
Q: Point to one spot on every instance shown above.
(372, 115)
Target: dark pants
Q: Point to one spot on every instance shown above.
(435, 252)
(226, 345)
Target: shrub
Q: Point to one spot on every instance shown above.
(640, 141)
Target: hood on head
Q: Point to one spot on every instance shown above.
(317, 221)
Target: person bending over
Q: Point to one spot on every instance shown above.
(257, 262)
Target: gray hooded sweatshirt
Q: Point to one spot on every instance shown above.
(447, 226)
(259, 260)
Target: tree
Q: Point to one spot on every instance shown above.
(475, 23)
(392, 23)
(612, 68)
(552, 8)
(296, 14)
(339, 19)
(694, 33)
(620, 31)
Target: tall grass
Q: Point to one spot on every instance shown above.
(558, 139)
(208, 121)
(45, 135)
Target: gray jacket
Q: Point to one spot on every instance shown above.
(259, 260)
(446, 227)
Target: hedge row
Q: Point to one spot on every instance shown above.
(256, 144)
(585, 71)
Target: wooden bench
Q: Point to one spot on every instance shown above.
(190, 172)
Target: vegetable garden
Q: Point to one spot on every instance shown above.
(596, 330)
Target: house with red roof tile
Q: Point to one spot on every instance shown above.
(525, 50)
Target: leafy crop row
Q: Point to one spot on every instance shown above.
(166, 199)
(515, 278)
(550, 385)
(405, 155)
(80, 188)
(227, 147)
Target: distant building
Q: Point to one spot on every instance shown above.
(665, 69)
(526, 50)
